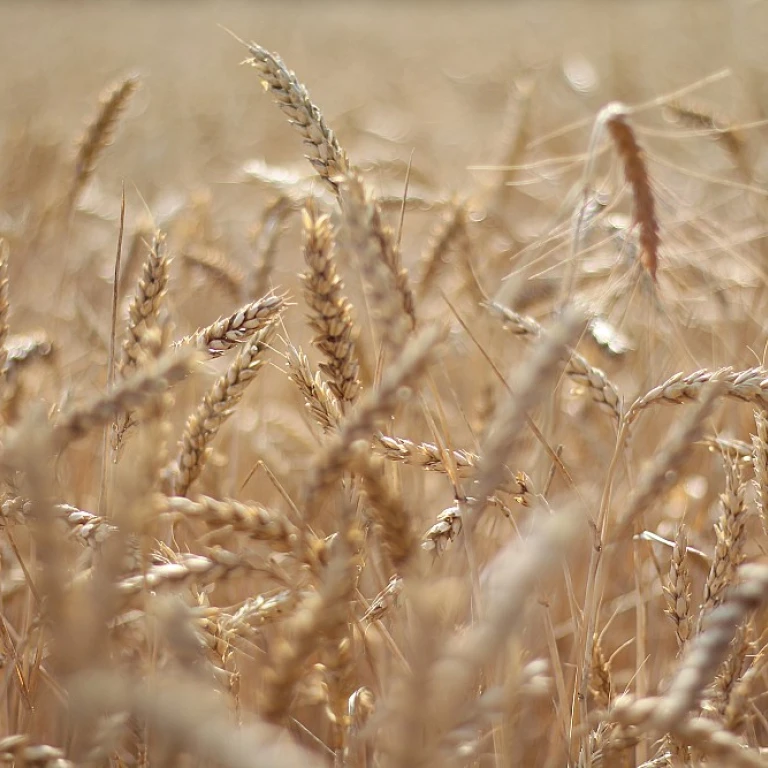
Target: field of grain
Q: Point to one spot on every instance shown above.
(408, 410)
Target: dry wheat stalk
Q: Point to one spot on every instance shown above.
(513, 573)
(730, 530)
(216, 407)
(145, 308)
(325, 153)
(134, 392)
(760, 465)
(388, 284)
(331, 317)
(750, 386)
(602, 391)
(615, 118)
(229, 332)
(318, 397)
(678, 590)
(99, 134)
(257, 521)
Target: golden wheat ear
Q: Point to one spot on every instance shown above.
(324, 151)
(99, 134)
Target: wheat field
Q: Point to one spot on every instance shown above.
(383, 384)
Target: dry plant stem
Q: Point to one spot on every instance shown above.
(760, 465)
(331, 312)
(602, 391)
(216, 407)
(388, 284)
(325, 153)
(379, 403)
(253, 519)
(511, 414)
(130, 394)
(99, 135)
(144, 310)
(236, 329)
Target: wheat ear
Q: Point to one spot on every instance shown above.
(145, 307)
(230, 332)
(325, 153)
(331, 312)
(760, 465)
(388, 282)
(616, 120)
(678, 590)
(99, 134)
(217, 406)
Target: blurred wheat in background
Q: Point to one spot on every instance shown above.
(397, 398)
